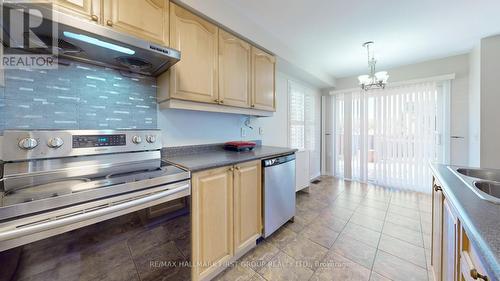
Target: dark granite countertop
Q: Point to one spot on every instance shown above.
(197, 158)
(480, 218)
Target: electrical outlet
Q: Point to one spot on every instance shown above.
(243, 132)
(261, 131)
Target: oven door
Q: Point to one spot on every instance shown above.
(29, 229)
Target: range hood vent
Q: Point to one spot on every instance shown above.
(90, 42)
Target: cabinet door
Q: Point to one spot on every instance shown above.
(234, 70)
(147, 19)
(212, 220)
(437, 231)
(247, 205)
(86, 9)
(263, 85)
(194, 77)
(450, 243)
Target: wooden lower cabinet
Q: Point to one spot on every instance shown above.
(450, 244)
(247, 205)
(226, 216)
(212, 221)
(437, 230)
(453, 257)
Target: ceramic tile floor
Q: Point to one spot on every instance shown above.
(346, 231)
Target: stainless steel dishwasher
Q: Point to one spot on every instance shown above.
(279, 192)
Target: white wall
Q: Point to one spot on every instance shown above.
(490, 102)
(183, 127)
(459, 95)
(475, 107)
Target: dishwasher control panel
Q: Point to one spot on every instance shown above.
(278, 160)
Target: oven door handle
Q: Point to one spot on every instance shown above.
(135, 203)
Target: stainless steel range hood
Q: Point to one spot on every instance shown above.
(90, 42)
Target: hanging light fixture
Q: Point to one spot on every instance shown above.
(376, 80)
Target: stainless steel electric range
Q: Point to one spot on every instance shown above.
(57, 181)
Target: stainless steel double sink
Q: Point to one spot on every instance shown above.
(484, 182)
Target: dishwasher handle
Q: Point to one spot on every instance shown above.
(278, 160)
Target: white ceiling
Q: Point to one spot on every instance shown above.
(324, 37)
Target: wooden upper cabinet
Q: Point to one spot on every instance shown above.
(212, 221)
(146, 19)
(234, 70)
(194, 77)
(263, 85)
(247, 205)
(86, 9)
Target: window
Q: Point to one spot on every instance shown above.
(302, 117)
(393, 134)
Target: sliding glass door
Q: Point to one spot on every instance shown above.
(393, 134)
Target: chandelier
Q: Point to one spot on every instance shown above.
(376, 80)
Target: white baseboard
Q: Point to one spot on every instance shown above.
(315, 176)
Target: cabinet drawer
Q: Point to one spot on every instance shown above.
(471, 267)
(466, 266)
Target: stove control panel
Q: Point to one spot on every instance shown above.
(20, 145)
(80, 141)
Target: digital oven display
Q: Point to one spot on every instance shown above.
(81, 141)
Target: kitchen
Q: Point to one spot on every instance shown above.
(183, 140)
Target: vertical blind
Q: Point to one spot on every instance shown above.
(394, 135)
(339, 135)
(302, 117)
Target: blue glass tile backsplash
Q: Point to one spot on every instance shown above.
(78, 96)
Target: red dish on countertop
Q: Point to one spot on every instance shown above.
(239, 145)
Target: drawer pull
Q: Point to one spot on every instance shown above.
(476, 275)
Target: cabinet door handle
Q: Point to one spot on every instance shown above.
(231, 169)
(253, 105)
(221, 101)
(237, 168)
(475, 275)
(94, 18)
(216, 100)
(437, 188)
(109, 22)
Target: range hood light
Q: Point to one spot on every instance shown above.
(97, 42)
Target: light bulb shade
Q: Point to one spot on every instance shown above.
(382, 76)
(364, 79)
